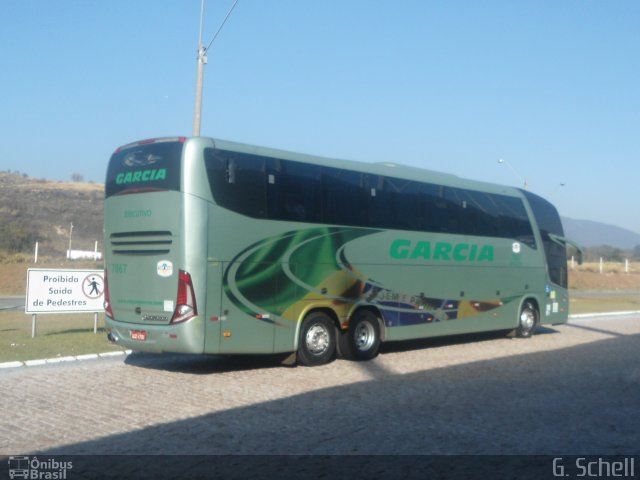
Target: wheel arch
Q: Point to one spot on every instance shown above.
(304, 314)
(533, 300)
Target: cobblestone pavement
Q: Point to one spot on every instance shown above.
(571, 389)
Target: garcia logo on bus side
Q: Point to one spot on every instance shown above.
(149, 175)
(403, 249)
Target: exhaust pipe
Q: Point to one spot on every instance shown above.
(111, 338)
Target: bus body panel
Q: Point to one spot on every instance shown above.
(144, 253)
(256, 278)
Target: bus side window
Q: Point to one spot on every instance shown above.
(237, 181)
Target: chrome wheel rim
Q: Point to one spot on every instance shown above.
(527, 320)
(317, 339)
(364, 336)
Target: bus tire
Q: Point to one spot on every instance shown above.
(362, 340)
(317, 344)
(527, 321)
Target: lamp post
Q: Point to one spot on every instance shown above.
(202, 60)
(521, 179)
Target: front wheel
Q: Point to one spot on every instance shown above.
(317, 343)
(362, 340)
(528, 320)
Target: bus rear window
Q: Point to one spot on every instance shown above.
(148, 166)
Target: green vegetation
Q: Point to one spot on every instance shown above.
(56, 336)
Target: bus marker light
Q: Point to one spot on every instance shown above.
(173, 336)
(214, 318)
(226, 334)
(261, 316)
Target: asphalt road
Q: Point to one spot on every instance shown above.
(12, 303)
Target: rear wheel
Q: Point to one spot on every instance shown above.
(317, 343)
(528, 320)
(362, 340)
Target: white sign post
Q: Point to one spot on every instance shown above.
(64, 291)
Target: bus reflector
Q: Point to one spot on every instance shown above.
(186, 304)
(108, 311)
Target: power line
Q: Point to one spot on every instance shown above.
(202, 60)
(222, 24)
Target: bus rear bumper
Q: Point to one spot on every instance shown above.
(184, 337)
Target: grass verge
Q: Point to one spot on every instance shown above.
(601, 304)
(56, 336)
(71, 335)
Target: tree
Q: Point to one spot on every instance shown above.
(76, 177)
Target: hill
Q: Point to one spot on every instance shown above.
(40, 210)
(592, 234)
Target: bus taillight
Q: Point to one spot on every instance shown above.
(108, 311)
(186, 305)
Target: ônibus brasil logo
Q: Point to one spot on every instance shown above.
(34, 468)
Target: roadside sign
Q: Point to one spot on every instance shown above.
(64, 291)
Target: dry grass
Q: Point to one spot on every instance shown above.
(613, 278)
(13, 274)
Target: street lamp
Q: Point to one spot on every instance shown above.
(521, 179)
(202, 60)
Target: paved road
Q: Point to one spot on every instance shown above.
(572, 389)
(12, 303)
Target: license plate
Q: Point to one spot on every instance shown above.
(140, 335)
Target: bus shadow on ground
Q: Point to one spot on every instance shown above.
(202, 364)
(578, 400)
(444, 341)
(210, 364)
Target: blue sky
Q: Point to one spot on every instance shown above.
(551, 87)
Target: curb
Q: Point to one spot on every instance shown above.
(609, 314)
(93, 356)
(53, 361)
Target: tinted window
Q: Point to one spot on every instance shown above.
(277, 189)
(238, 181)
(549, 222)
(294, 191)
(144, 168)
(344, 197)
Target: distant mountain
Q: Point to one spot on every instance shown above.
(39, 210)
(592, 234)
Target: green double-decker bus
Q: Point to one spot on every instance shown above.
(224, 248)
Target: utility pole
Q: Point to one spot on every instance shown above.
(202, 60)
